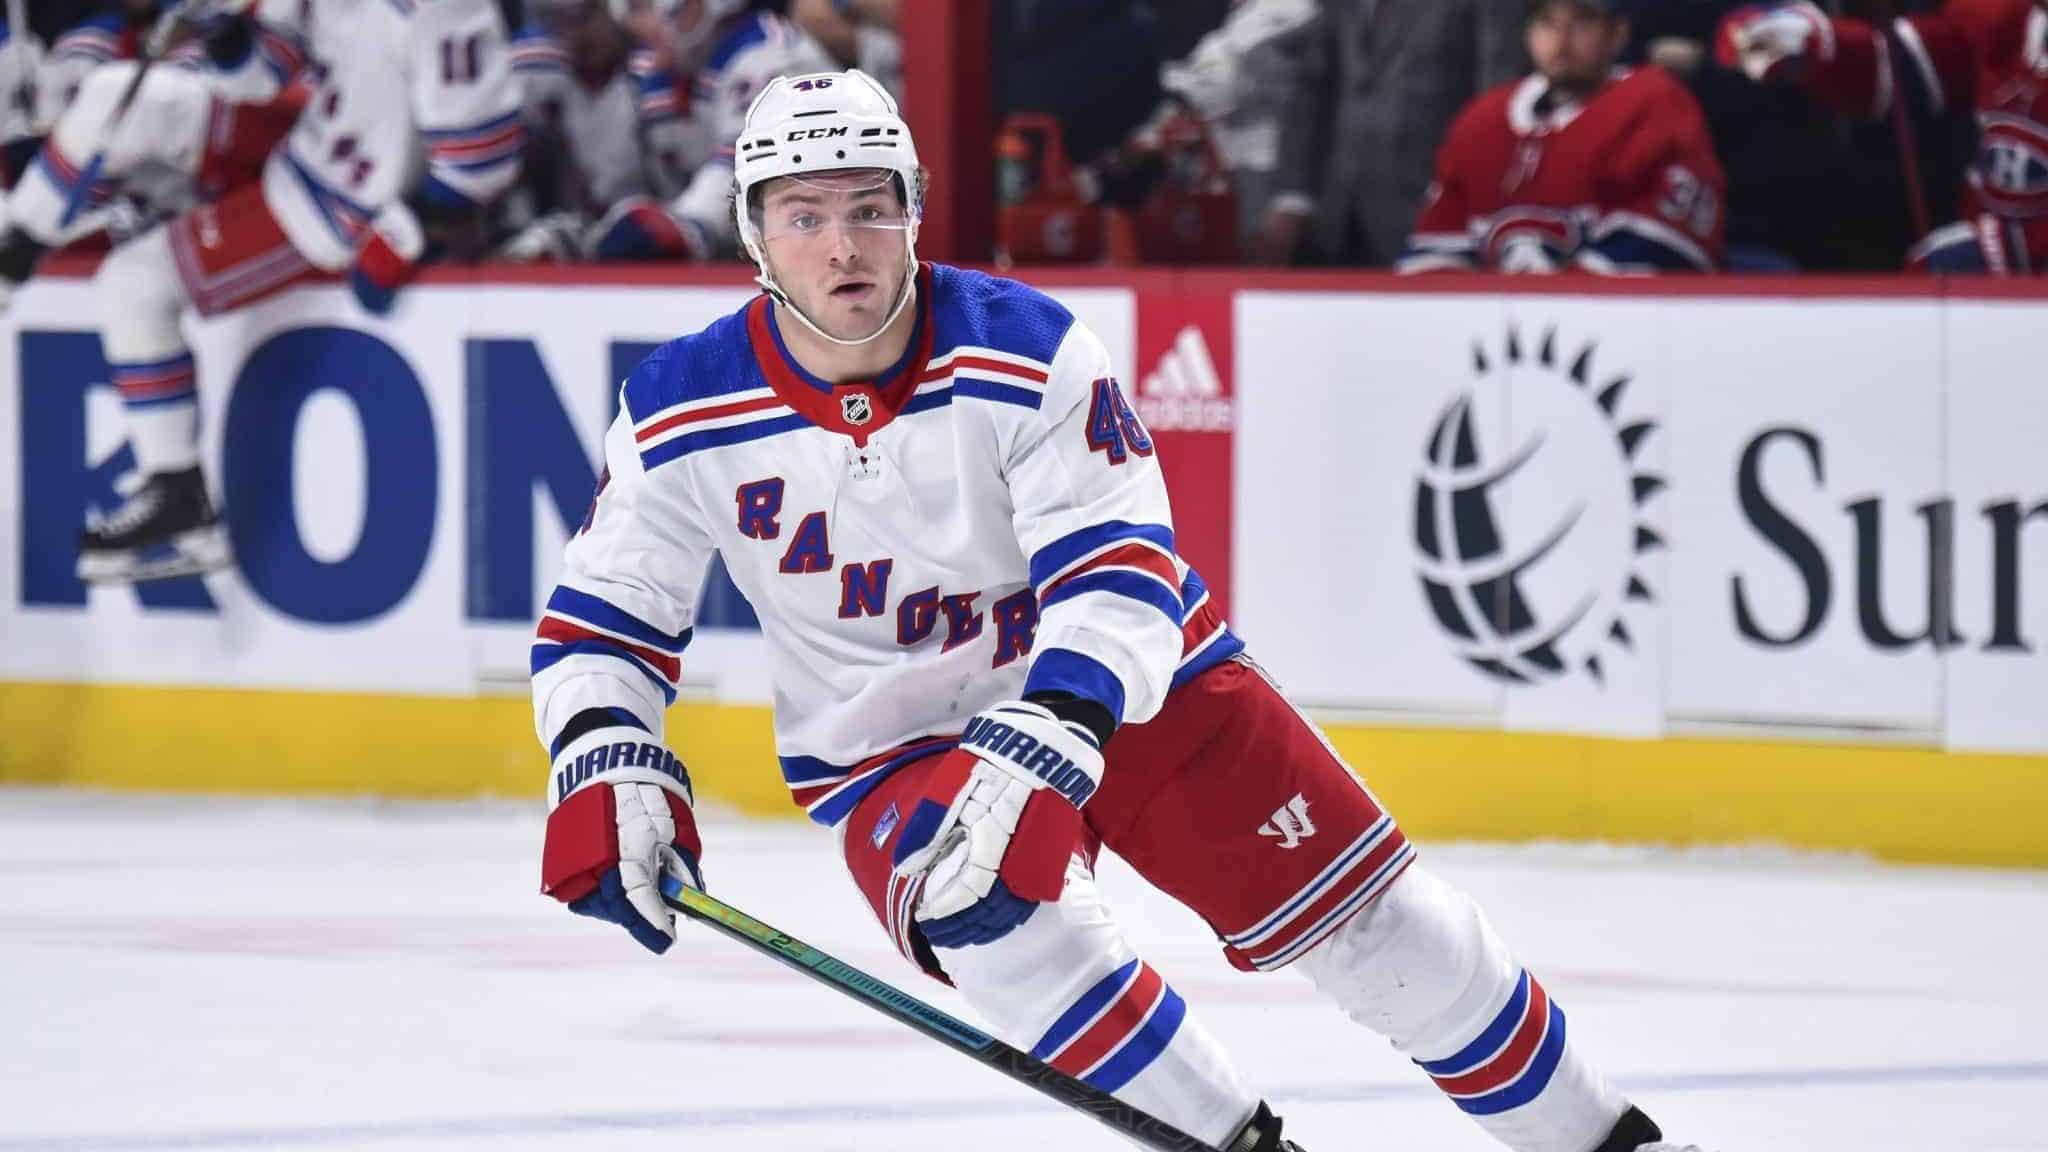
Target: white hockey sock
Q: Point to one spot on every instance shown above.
(162, 406)
(140, 298)
(1066, 987)
(1422, 968)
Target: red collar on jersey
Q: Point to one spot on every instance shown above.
(853, 408)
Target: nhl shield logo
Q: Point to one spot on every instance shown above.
(856, 407)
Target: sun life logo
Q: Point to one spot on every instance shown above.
(1530, 514)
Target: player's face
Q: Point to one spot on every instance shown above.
(1573, 46)
(836, 243)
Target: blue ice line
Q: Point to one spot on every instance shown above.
(471, 1129)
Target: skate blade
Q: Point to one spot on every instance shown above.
(189, 554)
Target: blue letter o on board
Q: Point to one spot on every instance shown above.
(398, 510)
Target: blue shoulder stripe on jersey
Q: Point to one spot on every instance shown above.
(975, 309)
(546, 654)
(690, 442)
(717, 361)
(754, 30)
(1144, 1047)
(1062, 553)
(604, 614)
(1064, 670)
(1129, 585)
(926, 401)
(1000, 393)
(1084, 1010)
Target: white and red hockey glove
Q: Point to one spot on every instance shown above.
(1772, 43)
(1003, 846)
(619, 815)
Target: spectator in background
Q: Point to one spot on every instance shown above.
(1788, 158)
(1238, 80)
(1925, 76)
(1381, 82)
(1092, 65)
(859, 34)
(608, 139)
(1579, 165)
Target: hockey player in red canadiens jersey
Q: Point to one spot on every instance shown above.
(1579, 165)
(1990, 55)
(990, 665)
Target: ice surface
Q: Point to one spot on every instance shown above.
(228, 974)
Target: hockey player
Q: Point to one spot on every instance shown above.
(1990, 55)
(226, 57)
(21, 58)
(1579, 165)
(611, 137)
(731, 53)
(989, 665)
(328, 198)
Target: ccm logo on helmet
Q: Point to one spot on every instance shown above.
(814, 134)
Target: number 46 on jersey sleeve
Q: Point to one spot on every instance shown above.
(1112, 425)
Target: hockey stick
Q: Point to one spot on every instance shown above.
(1130, 1122)
(160, 36)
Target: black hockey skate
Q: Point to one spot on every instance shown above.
(166, 528)
(1261, 1134)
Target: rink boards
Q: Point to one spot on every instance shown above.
(1750, 560)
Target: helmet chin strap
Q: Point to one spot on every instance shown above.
(767, 282)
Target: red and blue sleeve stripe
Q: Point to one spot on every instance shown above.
(1135, 561)
(478, 146)
(1512, 1061)
(157, 383)
(67, 177)
(1116, 1029)
(579, 624)
(1064, 670)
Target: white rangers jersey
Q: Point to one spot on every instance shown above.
(757, 48)
(405, 94)
(985, 520)
(21, 58)
(109, 39)
(632, 136)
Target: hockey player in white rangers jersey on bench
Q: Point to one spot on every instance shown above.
(989, 665)
(406, 98)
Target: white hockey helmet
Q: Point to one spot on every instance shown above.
(817, 123)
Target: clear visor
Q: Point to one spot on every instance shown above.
(815, 204)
